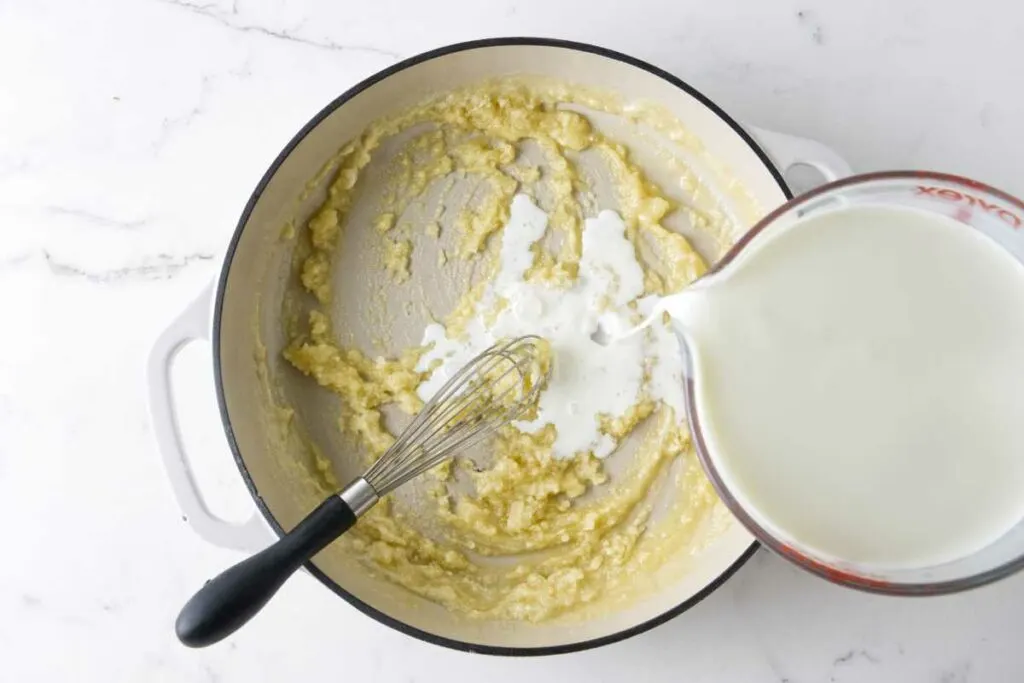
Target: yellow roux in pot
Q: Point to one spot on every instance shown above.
(564, 533)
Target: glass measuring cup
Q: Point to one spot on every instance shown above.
(997, 215)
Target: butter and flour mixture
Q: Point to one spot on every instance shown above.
(575, 505)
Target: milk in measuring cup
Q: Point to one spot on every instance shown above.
(859, 380)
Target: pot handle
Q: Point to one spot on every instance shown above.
(789, 150)
(192, 324)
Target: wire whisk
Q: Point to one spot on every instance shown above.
(490, 391)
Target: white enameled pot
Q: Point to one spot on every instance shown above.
(239, 316)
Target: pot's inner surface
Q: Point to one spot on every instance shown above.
(414, 200)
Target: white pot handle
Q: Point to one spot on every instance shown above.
(191, 325)
(787, 150)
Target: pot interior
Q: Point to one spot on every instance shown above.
(255, 382)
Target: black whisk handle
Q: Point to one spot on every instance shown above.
(233, 597)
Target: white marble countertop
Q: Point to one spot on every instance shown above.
(131, 134)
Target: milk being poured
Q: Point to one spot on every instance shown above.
(859, 382)
(589, 381)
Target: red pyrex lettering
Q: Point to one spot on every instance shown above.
(1008, 217)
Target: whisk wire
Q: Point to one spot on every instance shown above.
(489, 391)
(417, 432)
(453, 397)
(454, 429)
(454, 386)
(454, 409)
(447, 436)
